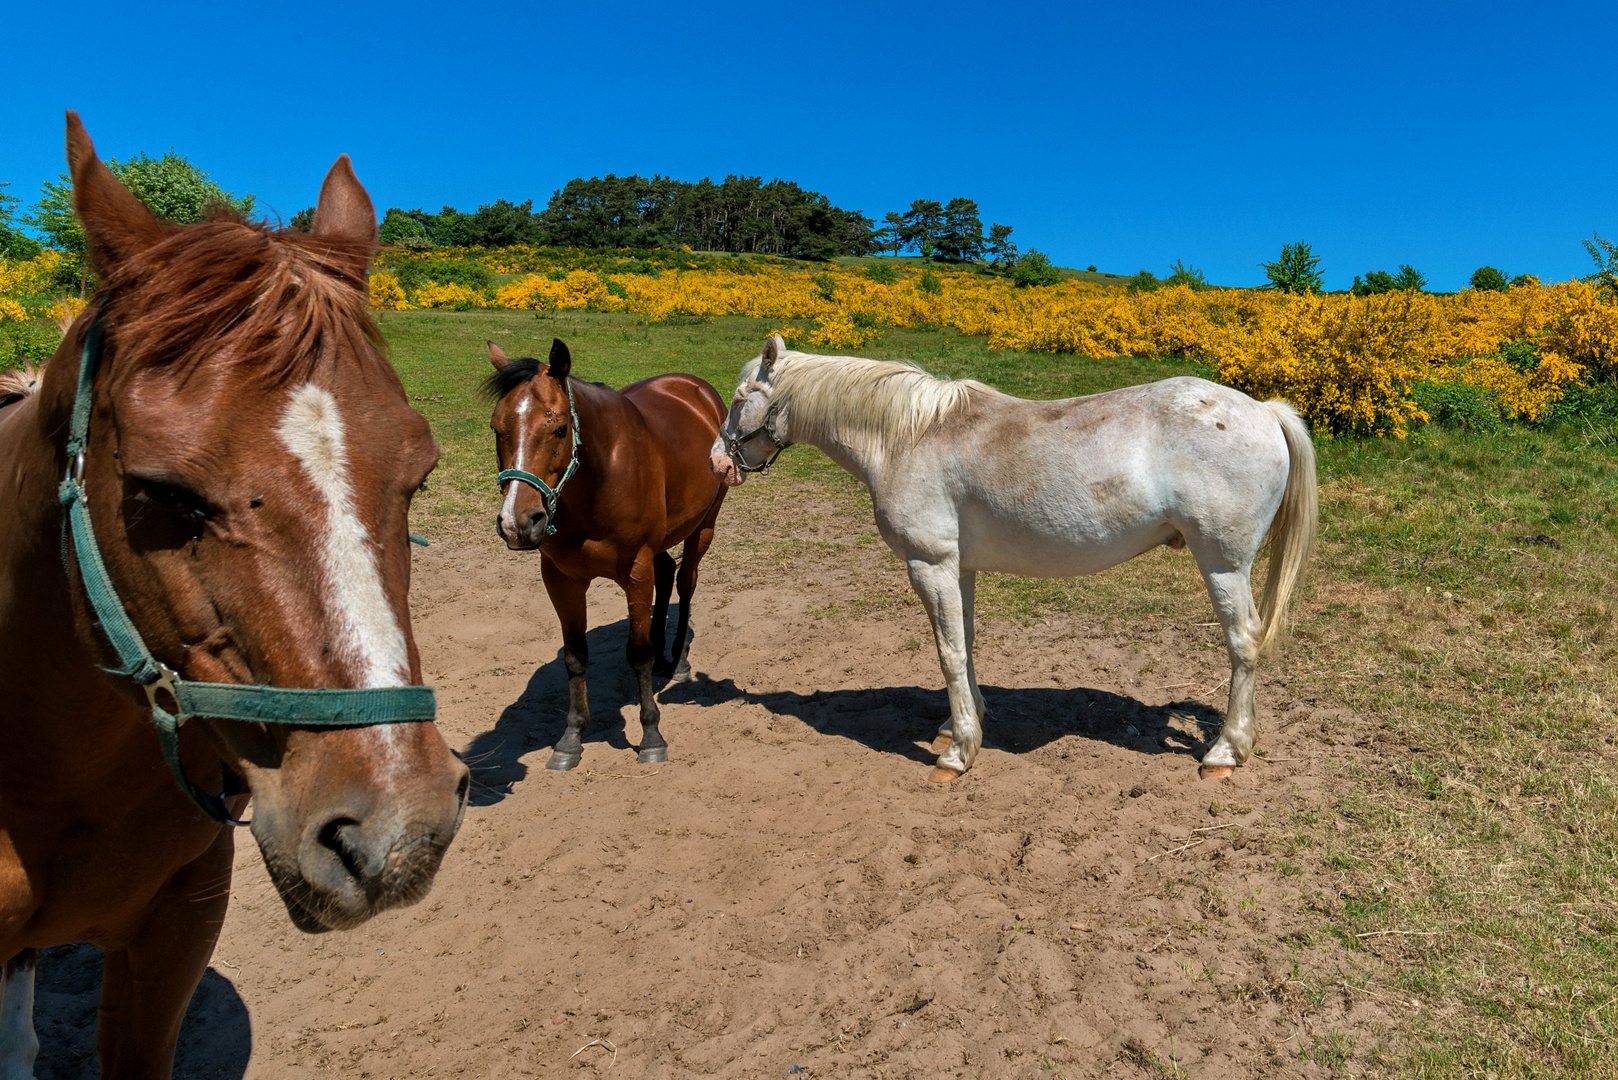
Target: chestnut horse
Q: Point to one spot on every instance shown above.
(239, 461)
(604, 484)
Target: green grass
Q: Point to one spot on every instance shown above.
(1480, 664)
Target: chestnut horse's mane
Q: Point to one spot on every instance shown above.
(282, 301)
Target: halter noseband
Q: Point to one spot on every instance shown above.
(550, 496)
(734, 443)
(319, 707)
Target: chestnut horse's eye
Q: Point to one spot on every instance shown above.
(183, 501)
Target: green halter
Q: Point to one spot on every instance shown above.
(550, 496)
(221, 701)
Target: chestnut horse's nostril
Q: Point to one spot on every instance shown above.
(345, 839)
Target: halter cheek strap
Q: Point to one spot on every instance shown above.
(550, 496)
(320, 707)
(734, 443)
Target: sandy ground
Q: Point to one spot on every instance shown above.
(789, 895)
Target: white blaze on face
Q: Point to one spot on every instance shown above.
(508, 508)
(367, 631)
(18, 1043)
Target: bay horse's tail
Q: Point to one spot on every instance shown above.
(1292, 533)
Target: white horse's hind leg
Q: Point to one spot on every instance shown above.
(946, 733)
(1232, 594)
(939, 587)
(18, 1043)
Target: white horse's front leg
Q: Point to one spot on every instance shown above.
(939, 586)
(946, 733)
(18, 1043)
(1232, 595)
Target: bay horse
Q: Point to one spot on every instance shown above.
(964, 478)
(204, 566)
(604, 483)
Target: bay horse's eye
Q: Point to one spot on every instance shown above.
(560, 432)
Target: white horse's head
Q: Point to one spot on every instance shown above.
(755, 431)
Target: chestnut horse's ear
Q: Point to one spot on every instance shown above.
(345, 211)
(775, 347)
(497, 356)
(561, 361)
(116, 224)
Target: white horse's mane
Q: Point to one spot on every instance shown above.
(889, 402)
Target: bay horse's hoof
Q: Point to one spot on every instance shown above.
(560, 762)
(943, 774)
(941, 743)
(1215, 772)
(652, 755)
(682, 674)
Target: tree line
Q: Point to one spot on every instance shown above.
(743, 215)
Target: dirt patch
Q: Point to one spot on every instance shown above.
(790, 890)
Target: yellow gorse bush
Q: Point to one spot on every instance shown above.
(1347, 363)
(26, 288)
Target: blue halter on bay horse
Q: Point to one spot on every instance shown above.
(204, 579)
(604, 483)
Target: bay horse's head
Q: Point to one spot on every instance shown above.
(755, 432)
(535, 441)
(249, 471)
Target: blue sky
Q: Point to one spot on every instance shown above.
(1445, 135)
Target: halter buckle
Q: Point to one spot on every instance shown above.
(167, 679)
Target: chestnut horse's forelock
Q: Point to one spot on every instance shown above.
(284, 301)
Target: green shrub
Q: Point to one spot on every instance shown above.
(1145, 281)
(415, 273)
(1457, 405)
(1035, 268)
(1181, 274)
(1488, 279)
(929, 282)
(1586, 406)
(34, 340)
(397, 227)
(1296, 271)
(882, 273)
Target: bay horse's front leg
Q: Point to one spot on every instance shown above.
(663, 568)
(638, 588)
(1232, 595)
(939, 587)
(147, 984)
(567, 597)
(696, 546)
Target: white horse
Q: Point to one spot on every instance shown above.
(964, 478)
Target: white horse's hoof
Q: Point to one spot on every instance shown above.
(943, 774)
(1216, 772)
(941, 743)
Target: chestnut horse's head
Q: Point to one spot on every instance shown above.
(250, 466)
(535, 436)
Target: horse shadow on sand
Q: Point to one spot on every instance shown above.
(216, 1039)
(903, 719)
(888, 719)
(538, 717)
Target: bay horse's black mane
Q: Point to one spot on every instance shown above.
(518, 370)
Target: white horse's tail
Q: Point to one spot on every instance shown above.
(1292, 533)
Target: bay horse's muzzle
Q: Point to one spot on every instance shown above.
(525, 528)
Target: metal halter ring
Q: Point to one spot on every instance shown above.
(734, 444)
